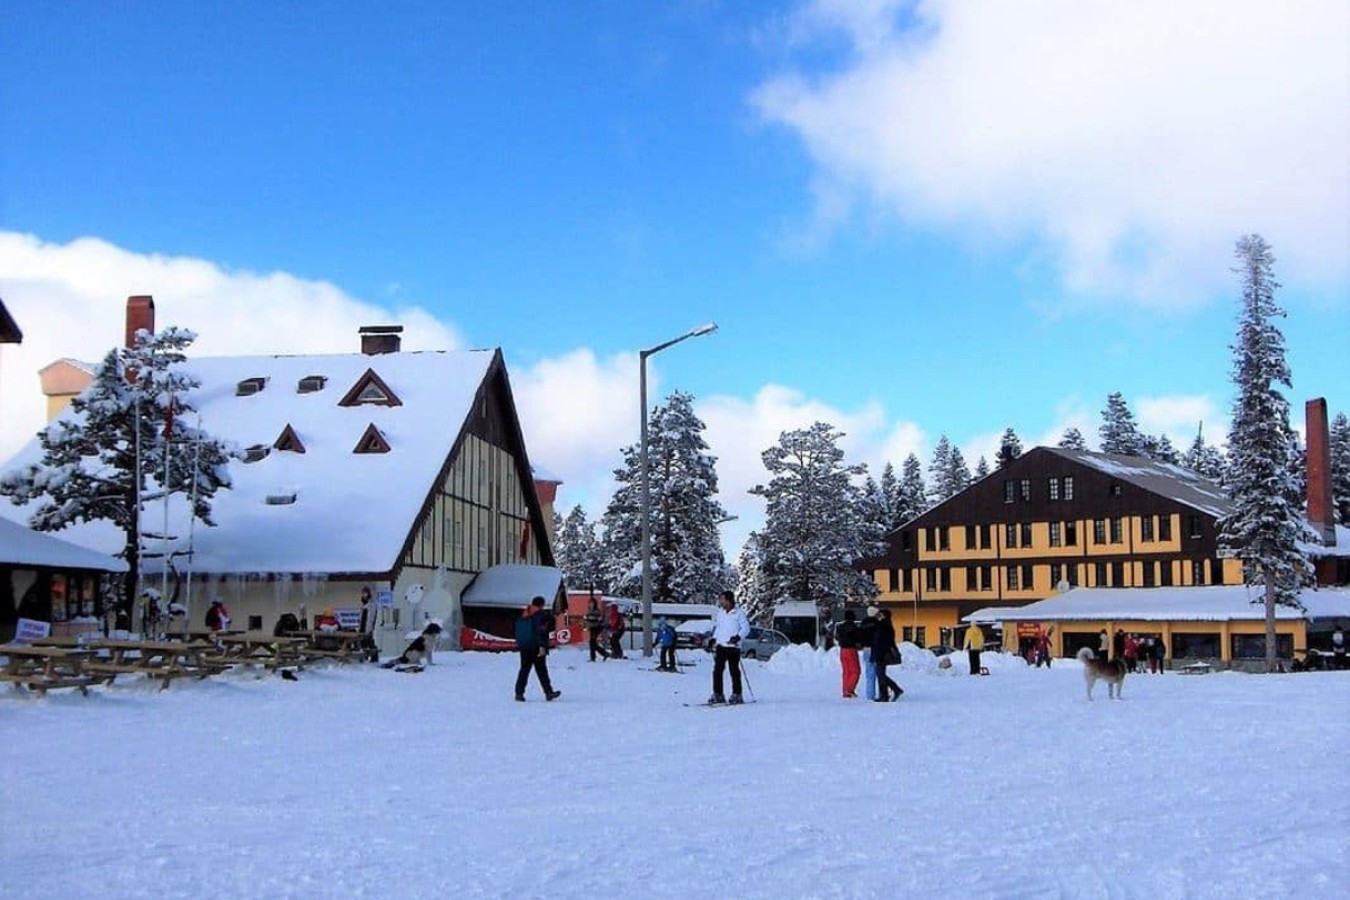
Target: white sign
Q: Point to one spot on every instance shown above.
(384, 599)
(30, 630)
(348, 618)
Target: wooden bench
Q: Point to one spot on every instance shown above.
(163, 660)
(41, 669)
(41, 683)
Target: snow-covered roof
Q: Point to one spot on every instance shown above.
(992, 614)
(1318, 550)
(1164, 479)
(352, 511)
(1215, 603)
(512, 586)
(20, 546)
(789, 609)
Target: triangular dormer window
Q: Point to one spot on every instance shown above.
(370, 389)
(249, 386)
(289, 440)
(311, 383)
(371, 442)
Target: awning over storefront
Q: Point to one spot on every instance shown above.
(512, 586)
(1218, 603)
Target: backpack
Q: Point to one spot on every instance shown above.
(527, 635)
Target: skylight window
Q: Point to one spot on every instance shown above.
(256, 453)
(249, 386)
(311, 383)
(280, 499)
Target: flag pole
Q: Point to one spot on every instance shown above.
(192, 522)
(164, 536)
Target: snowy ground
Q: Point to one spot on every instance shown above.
(358, 782)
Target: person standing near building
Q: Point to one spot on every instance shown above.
(665, 639)
(1338, 647)
(846, 637)
(730, 627)
(885, 653)
(595, 627)
(1103, 646)
(532, 631)
(863, 638)
(614, 628)
(367, 627)
(974, 645)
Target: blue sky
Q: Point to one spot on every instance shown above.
(908, 220)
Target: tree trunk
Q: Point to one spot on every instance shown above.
(1272, 664)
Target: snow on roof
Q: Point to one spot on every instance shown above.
(992, 614)
(20, 546)
(352, 511)
(1318, 550)
(795, 608)
(1165, 479)
(512, 586)
(1216, 603)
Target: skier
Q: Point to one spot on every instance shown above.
(665, 639)
(730, 627)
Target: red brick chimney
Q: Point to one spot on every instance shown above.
(140, 314)
(1321, 513)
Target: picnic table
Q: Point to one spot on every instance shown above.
(165, 660)
(1195, 668)
(43, 668)
(343, 646)
(273, 652)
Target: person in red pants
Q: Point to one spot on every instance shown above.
(847, 638)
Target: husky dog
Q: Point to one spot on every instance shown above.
(1112, 671)
(420, 651)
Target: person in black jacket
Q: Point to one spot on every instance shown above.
(885, 653)
(846, 637)
(595, 627)
(532, 631)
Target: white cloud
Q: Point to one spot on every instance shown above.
(1133, 142)
(1179, 416)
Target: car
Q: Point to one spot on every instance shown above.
(695, 634)
(763, 643)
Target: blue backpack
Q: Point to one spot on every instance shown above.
(527, 635)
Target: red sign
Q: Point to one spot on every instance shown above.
(1028, 629)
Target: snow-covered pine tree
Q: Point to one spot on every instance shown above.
(1267, 523)
(752, 593)
(875, 507)
(578, 553)
(894, 497)
(815, 530)
(913, 491)
(940, 484)
(1161, 449)
(141, 397)
(1009, 447)
(686, 547)
(1203, 459)
(981, 468)
(1072, 439)
(1340, 467)
(1119, 433)
(960, 471)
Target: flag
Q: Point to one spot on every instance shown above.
(525, 539)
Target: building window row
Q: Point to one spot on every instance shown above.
(1058, 487)
(1021, 576)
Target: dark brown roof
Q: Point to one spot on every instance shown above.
(9, 329)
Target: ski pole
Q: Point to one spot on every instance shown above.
(745, 676)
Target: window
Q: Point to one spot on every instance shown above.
(972, 578)
(1053, 484)
(1026, 534)
(1117, 531)
(1013, 583)
(1164, 528)
(987, 578)
(986, 536)
(311, 383)
(1197, 646)
(1166, 579)
(894, 580)
(1028, 582)
(372, 441)
(907, 580)
(946, 574)
(249, 386)
(1253, 646)
(255, 623)
(1117, 574)
(1197, 571)
(1193, 526)
(944, 537)
(1071, 534)
(1068, 487)
(256, 452)
(1026, 490)
(1055, 537)
(288, 441)
(1146, 529)
(1114, 490)
(1099, 575)
(1010, 539)
(930, 576)
(370, 388)
(1056, 574)
(1150, 573)
(279, 499)
(1008, 491)
(1072, 572)
(1099, 531)
(906, 541)
(972, 534)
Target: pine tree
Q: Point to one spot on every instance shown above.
(1009, 447)
(894, 497)
(960, 476)
(753, 594)
(940, 485)
(981, 468)
(1203, 459)
(1119, 434)
(1072, 439)
(815, 526)
(578, 552)
(1162, 450)
(913, 492)
(1340, 467)
(139, 401)
(1267, 523)
(687, 564)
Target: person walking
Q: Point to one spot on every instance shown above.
(863, 638)
(595, 627)
(974, 645)
(665, 639)
(614, 627)
(532, 631)
(885, 653)
(846, 637)
(730, 627)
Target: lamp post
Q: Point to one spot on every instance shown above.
(701, 330)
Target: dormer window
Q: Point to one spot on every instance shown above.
(289, 441)
(256, 453)
(370, 389)
(249, 386)
(371, 442)
(311, 384)
(280, 499)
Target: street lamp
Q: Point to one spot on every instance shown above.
(701, 330)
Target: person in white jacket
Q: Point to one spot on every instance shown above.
(730, 627)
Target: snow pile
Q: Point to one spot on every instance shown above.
(802, 658)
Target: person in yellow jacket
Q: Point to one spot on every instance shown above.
(974, 643)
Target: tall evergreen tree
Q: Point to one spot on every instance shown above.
(1161, 449)
(1072, 439)
(1009, 447)
(913, 491)
(894, 497)
(1267, 523)
(940, 484)
(1340, 467)
(687, 564)
(753, 591)
(981, 468)
(1203, 459)
(960, 471)
(1119, 433)
(579, 553)
(815, 527)
(133, 419)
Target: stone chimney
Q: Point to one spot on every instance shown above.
(380, 339)
(140, 314)
(1321, 512)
